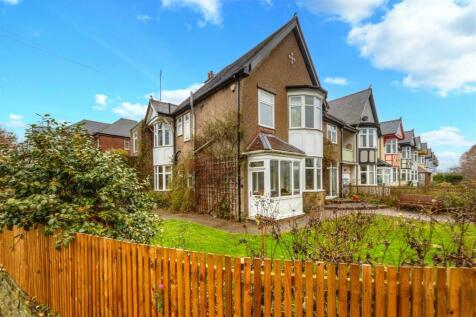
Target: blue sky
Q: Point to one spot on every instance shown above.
(101, 59)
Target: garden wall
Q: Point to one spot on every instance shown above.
(103, 277)
(13, 302)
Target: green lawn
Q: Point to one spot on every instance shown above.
(195, 237)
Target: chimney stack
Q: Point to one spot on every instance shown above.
(210, 75)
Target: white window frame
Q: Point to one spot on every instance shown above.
(134, 141)
(262, 100)
(163, 127)
(127, 144)
(392, 145)
(160, 171)
(186, 127)
(365, 132)
(315, 168)
(179, 125)
(317, 113)
(370, 170)
(332, 133)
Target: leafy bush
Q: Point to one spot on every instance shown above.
(453, 178)
(161, 199)
(58, 178)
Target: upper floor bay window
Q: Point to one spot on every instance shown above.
(305, 112)
(162, 135)
(406, 152)
(179, 125)
(186, 126)
(368, 138)
(265, 109)
(313, 173)
(332, 133)
(391, 146)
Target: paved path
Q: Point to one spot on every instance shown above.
(249, 226)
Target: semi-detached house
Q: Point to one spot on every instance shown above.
(291, 144)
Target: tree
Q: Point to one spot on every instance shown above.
(57, 178)
(468, 163)
(7, 139)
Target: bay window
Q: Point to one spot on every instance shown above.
(384, 176)
(265, 109)
(406, 152)
(283, 177)
(332, 133)
(186, 126)
(162, 177)
(305, 112)
(134, 142)
(313, 173)
(367, 175)
(391, 146)
(179, 124)
(368, 138)
(162, 135)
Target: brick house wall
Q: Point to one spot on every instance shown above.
(109, 142)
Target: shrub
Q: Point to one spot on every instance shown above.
(453, 178)
(161, 199)
(58, 178)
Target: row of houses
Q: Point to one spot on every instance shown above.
(282, 138)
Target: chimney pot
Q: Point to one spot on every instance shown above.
(210, 74)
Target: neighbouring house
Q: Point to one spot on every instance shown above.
(359, 111)
(340, 164)
(274, 146)
(110, 136)
(409, 159)
(392, 133)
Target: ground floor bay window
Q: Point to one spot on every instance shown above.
(162, 177)
(279, 178)
(367, 175)
(384, 176)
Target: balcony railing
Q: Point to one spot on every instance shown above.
(347, 155)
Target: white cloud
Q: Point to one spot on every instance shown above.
(209, 9)
(129, 110)
(176, 96)
(342, 81)
(446, 136)
(432, 42)
(12, 2)
(143, 17)
(14, 121)
(448, 159)
(101, 101)
(351, 11)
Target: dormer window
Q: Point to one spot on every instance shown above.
(162, 135)
(305, 112)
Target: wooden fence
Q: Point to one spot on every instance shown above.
(103, 277)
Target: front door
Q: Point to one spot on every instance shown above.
(256, 186)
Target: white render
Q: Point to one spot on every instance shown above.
(163, 155)
(308, 140)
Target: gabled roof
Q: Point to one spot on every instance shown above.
(270, 142)
(121, 127)
(338, 121)
(91, 127)
(248, 62)
(408, 139)
(351, 107)
(162, 107)
(417, 141)
(382, 163)
(391, 126)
